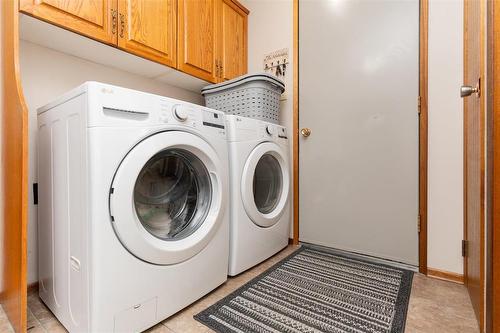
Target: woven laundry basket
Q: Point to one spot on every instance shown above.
(254, 96)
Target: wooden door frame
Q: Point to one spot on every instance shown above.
(423, 70)
(493, 167)
(483, 200)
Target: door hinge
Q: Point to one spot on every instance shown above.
(418, 223)
(35, 193)
(465, 248)
(419, 108)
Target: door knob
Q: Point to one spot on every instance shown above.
(305, 132)
(469, 90)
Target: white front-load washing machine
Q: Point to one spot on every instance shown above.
(260, 191)
(133, 217)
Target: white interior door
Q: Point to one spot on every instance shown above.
(358, 94)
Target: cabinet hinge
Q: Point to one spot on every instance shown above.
(418, 223)
(419, 108)
(465, 245)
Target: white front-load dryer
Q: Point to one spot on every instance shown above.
(260, 191)
(133, 217)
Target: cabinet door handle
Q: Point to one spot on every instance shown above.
(122, 24)
(219, 68)
(113, 21)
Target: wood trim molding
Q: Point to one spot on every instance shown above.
(240, 6)
(492, 323)
(423, 144)
(295, 122)
(482, 309)
(15, 172)
(445, 275)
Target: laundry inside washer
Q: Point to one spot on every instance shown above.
(172, 194)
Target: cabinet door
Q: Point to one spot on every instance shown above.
(196, 42)
(148, 28)
(92, 18)
(234, 40)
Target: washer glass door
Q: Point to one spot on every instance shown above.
(265, 184)
(167, 198)
(172, 194)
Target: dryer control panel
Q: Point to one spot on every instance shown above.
(276, 131)
(246, 129)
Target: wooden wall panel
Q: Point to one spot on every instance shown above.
(15, 172)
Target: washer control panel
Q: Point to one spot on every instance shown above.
(213, 119)
(186, 114)
(180, 113)
(270, 130)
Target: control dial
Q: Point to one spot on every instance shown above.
(270, 130)
(180, 113)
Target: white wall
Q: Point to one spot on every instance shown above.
(270, 28)
(45, 75)
(445, 173)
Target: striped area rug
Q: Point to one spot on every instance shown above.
(315, 290)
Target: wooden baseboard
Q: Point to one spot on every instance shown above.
(33, 287)
(445, 275)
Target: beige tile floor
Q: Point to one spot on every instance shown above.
(435, 306)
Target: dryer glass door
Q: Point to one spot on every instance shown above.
(172, 194)
(265, 184)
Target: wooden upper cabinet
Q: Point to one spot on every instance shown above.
(92, 18)
(197, 38)
(148, 28)
(204, 38)
(212, 39)
(233, 39)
